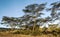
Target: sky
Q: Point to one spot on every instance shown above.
(13, 8)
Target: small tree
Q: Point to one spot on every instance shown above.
(10, 21)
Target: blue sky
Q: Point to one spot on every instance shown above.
(13, 8)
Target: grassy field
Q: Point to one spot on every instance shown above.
(24, 33)
(5, 34)
(19, 35)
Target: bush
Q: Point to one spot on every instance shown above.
(36, 32)
(16, 32)
(57, 30)
(26, 32)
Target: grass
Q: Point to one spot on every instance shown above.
(25, 34)
(28, 33)
(20, 35)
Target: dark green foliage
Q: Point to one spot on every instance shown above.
(26, 32)
(36, 32)
(31, 21)
(16, 32)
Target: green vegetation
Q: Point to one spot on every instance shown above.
(30, 23)
(39, 32)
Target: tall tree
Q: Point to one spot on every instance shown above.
(34, 10)
(54, 9)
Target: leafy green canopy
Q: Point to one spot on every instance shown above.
(32, 14)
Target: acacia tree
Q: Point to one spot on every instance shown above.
(32, 16)
(10, 21)
(54, 10)
(34, 11)
(54, 13)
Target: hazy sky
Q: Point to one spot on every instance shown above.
(13, 8)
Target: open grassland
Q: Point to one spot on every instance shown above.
(19, 35)
(4, 34)
(28, 33)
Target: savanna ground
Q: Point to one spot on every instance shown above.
(17, 34)
(20, 35)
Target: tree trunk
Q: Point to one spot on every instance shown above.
(34, 25)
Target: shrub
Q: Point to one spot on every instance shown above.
(36, 32)
(21, 32)
(26, 32)
(57, 30)
(16, 32)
